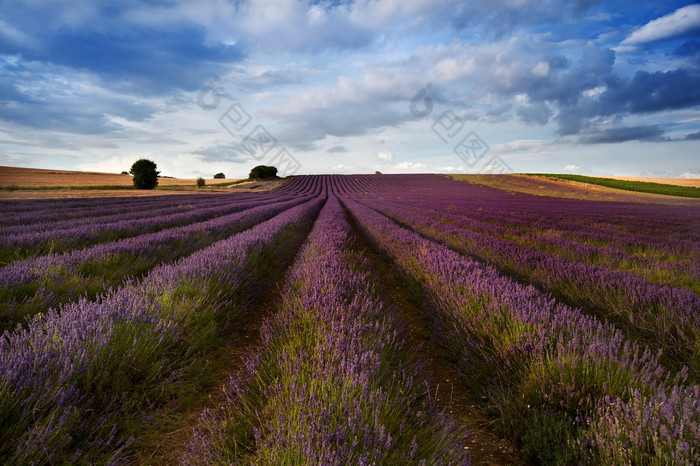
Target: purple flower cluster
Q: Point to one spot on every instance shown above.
(119, 329)
(330, 384)
(663, 258)
(660, 316)
(75, 382)
(548, 369)
(33, 239)
(33, 285)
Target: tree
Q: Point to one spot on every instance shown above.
(145, 174)
(200, 182)
(262, 171)
(219, 176)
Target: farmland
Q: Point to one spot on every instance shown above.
(388, 319)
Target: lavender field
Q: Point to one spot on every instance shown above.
(575, 325)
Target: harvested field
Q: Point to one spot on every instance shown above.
(35, 183)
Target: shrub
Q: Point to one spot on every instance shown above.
(219, 176)
(200, 182)
(145, 174)
(263, 171)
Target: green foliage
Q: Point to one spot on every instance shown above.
(200, 182)
(639, 186)
(262, 171)
(145, 174)
(219, 176)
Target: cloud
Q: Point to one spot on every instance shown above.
(690, 175)
(388, 156)
(653, 92)
(692, 136)
(339, 149)
(59, 98)
(681, 22)
(139, 59)
(525, 145)
(421, 167)
(572, 168)
(222, 152)
(537, 114)
(622, 134)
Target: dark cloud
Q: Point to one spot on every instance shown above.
(337, 150)
(652, 92)
(623, 134)
(142, 61)
(692, 136)
(538, 113)
(593, 90)
(136, 58)
(565, 86)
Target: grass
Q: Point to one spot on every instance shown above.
(638, 186)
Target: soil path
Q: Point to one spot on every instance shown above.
(178, 427)
(446, 386)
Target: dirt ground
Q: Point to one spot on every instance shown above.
(34, 177)
(58, 183)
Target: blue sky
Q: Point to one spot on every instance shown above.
(583, 86)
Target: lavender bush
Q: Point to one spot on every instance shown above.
(76, 384)
(548, 370)
(330, 384)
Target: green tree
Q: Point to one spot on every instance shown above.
(262, 171)
(200, 182)
(219, 176)
(145, 174)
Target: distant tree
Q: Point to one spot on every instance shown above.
(125, 173)
(200, 182)
(262, 171)
(145, 174)
(377, 173)
(219, 176)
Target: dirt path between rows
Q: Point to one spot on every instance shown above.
(178, 427)
(446, 386)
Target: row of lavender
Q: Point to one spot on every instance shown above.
(31, 286)
(659, 315)
(43, 216)
(81, 381)
(572, 389)
(34, 213)
(330, 384)
(55, 239)
(669, 260)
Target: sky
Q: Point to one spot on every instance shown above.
(607, 87)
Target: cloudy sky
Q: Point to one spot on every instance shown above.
(342, 86)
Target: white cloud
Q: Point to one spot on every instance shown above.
(541, 70)
(420, 167)
(524, 145)
(690, 175)
(572, 168)
(679, 22)
(388, 156)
